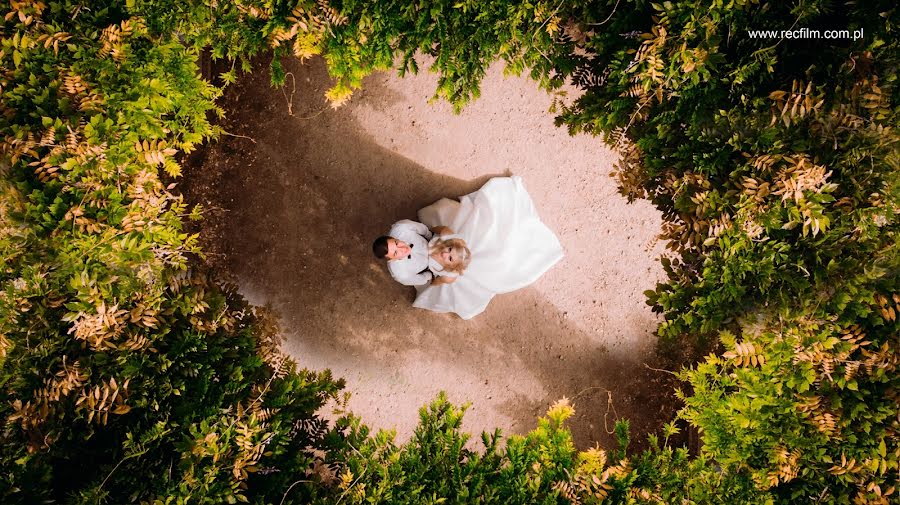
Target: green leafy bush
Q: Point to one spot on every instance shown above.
(126, 373)
(440, 465)
(775, 166)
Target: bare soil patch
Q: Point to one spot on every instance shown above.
(292, 214)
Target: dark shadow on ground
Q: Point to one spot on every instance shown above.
(292, 216)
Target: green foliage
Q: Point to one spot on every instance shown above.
(809, 407)
(126, 374)
(359, 37)
(439, 466)
(775, 166)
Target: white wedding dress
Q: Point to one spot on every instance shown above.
(510, 246)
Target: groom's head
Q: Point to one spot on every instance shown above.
(389, 248)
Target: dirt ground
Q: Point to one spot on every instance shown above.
(297, 192)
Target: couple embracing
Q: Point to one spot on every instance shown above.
(459, 254)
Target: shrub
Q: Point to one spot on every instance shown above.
(126, 373)
(774, 163)
(439, 465)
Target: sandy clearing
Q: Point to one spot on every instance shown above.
(294, 213)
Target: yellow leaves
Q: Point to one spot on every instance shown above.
(786, 464)
(717, 227)
(810, 404)
(649, 56)
(795, 180)
(102, 399)
(206, 445)
(755, 188)
(568, 491)
(867, 469)
(629, 172)
(845, 466)
(250, 450)
(253, 12)
(801, 175)
(121, 409)
(23, 413)
(145, 316)
(797, 104)
(621, 469)
(48, 139)
(888, 306)
(654, 68)
(826, 423)
(45, 170)
(61, 384)
(873, 495)
(637, 90)
(346, 479)
(280, 35)
(880, 465)
(560, 411)
(592, 461)
(306, 46)
(18, 148)
(113, 38)
(745, 354)
(53, 40)
(548, 21)
(308, 29)
(74, 84)
(91, 102)
(28, 418)
(98, 329)
(147, 194)
(155, 151)
(268, 344)
(26, 11)
(72, 142)
(874, 101)
(552, 25)
(135, 342)
(111, 44)
(645, 495)
(133, 221)
(339, 94)
(693, 58)
(330, 14)
(5, 345)
(885, 358)
(764, 163)
(680, 236)
(84, 224)
(263, 414)
(590, 484)
(850, 369)
(751, 227)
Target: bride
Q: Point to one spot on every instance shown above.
(491, 241)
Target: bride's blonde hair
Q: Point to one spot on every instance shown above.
(462, 253)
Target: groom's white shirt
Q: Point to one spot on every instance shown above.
(413, 269)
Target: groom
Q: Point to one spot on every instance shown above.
(405, 248)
